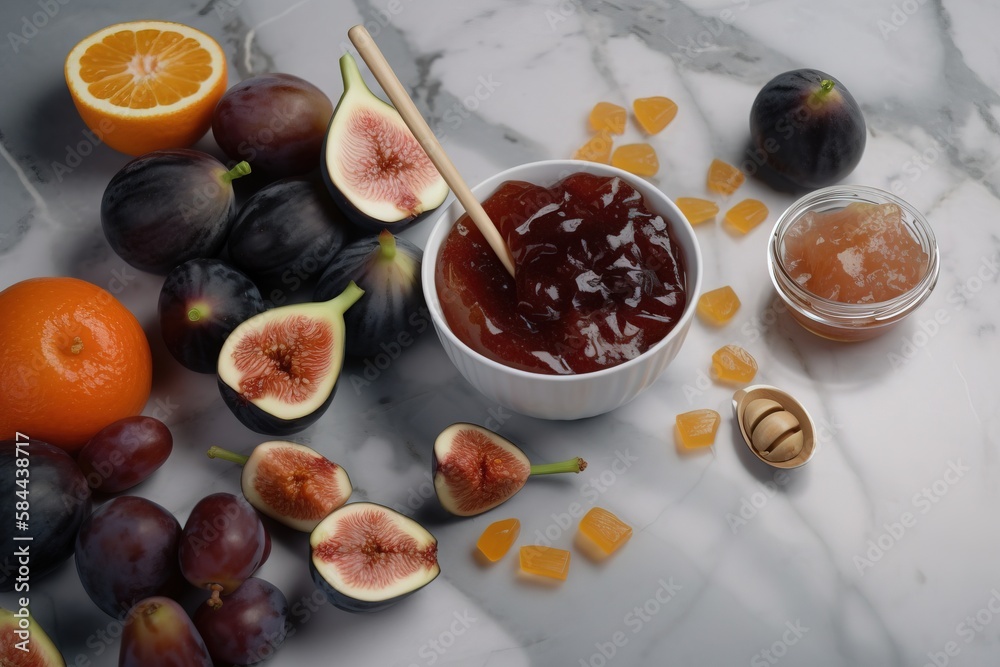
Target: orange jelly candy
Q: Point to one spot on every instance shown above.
(654, 113)
(697, 428)
(639, 159)
(498, 537)
(545, 561)
(731, 363)
(746, 215)
(597, 148)
(724, 178)
(697, 210)
(861, 253)
(719, 305)
(608, 116)
(605, 529)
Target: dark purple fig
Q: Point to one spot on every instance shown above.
(158, 633)
(291, 483)
(278, 370)
(285, 235)
(475, 469)
(376, 171)
(249, 628)
(23, 643)
(169, 206)
(366, 557)
(201, 302)
(126, 551)
(54, 500)
(808, 128)
(276, 122)
(125, 453)
(387, 268)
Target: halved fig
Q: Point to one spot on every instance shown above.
(376, 171)
(24, 643)
(278, 370)
(366, 557)
(475, 469)
(388, 269)
(291, 483)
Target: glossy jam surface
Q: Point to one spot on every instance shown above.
(861, 253)
(605, 529)
(599, 279)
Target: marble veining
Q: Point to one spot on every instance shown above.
(881, 551)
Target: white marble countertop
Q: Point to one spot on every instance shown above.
(881, 551)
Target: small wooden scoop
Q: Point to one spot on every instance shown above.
(386, 78)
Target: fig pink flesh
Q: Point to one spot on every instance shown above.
(371, 552)
(283, 357)
(384, 162)
(480, 473)
(297, 484)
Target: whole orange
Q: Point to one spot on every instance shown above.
(73, 359)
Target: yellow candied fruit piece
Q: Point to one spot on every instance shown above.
(597, 148)
(719, 305)
(724, 178)
(697, 210)
(731, 363)
(697, 428)
(747, 214)
(498, 537)
(639, 159)
(545, 561)
(608, 116)
(605, 529)
(654, 113)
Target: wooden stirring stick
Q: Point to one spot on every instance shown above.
(386, 78)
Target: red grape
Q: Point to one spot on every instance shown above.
(125, 453)
(249, 628)
(222, 544)
(127, 551)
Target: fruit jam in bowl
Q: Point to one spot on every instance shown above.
(851, 262)
(608, 275)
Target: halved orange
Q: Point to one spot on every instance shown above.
(147, 85)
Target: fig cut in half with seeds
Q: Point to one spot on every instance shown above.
(291, 483)
(24, 643)
(366, 557)
(376, 171)
(278, 370)
(475, 469)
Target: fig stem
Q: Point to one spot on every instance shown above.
(572, 465)
(387, 245)
(226, 455)
(216, 600)
(825, 87)
(241, 169)
(346, 299)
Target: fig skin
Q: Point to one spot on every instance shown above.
(201, 302)
(285, 235)
(808, 128)
(166, 207)
(158, 633)
(387, 268)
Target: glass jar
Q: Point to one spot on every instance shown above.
(837, 320)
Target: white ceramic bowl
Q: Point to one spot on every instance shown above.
(563, 396)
